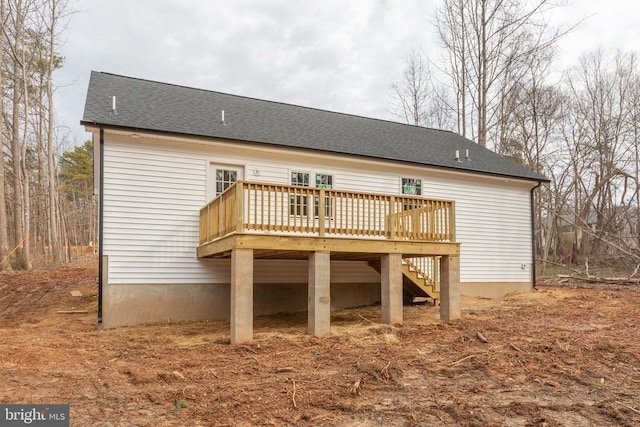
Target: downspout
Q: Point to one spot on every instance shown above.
(533, 238)
(100, 224)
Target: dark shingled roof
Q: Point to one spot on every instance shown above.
(161, 107)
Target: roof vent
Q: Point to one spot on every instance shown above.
(222, 119)
(466, 155)
(457, 158)
(113, 105)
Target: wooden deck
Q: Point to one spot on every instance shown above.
(409, 240)
(284, 222)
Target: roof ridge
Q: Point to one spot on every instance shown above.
(251, 98)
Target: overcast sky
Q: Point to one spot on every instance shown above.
(332, 54)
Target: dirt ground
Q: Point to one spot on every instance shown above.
(561, 356)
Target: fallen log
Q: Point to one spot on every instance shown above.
(626, 281)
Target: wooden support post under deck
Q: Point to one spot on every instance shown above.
(391, 287)
(241, 295)
(450, 288)
(319, 298)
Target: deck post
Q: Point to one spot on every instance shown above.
(452, 221)
(239, 207)
(450, 288)
(241, 296)
(321, 211)
(319, 297)
(391, 288)
(392, 219)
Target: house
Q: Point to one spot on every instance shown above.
(216, 206)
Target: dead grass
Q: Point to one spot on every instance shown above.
(560, 356)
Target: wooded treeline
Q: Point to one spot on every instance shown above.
(46, 204)
(497, 81)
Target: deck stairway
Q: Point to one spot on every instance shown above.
(419, 279)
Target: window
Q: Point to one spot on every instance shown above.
(298, 203)
(323, 181)
(412, 186)
(224, 179)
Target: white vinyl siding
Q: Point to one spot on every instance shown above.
(151, 202)
(493, 225)
(153, 191)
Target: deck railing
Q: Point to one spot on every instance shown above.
(428, 268)
(286, 209)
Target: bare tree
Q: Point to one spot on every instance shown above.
(582, 131)
(634, 140)
(17, 15)
(601, 144)
(451, 20)
(420, 101)
(57, 10)
(441, 113)
(5, 264)
(413, 92)
(30, 34)
(489, 42)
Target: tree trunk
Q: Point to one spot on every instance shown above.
(5, 263)
(18, 207)
(52, 176)
(482, 83)
(26, 189)
(463, 60)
